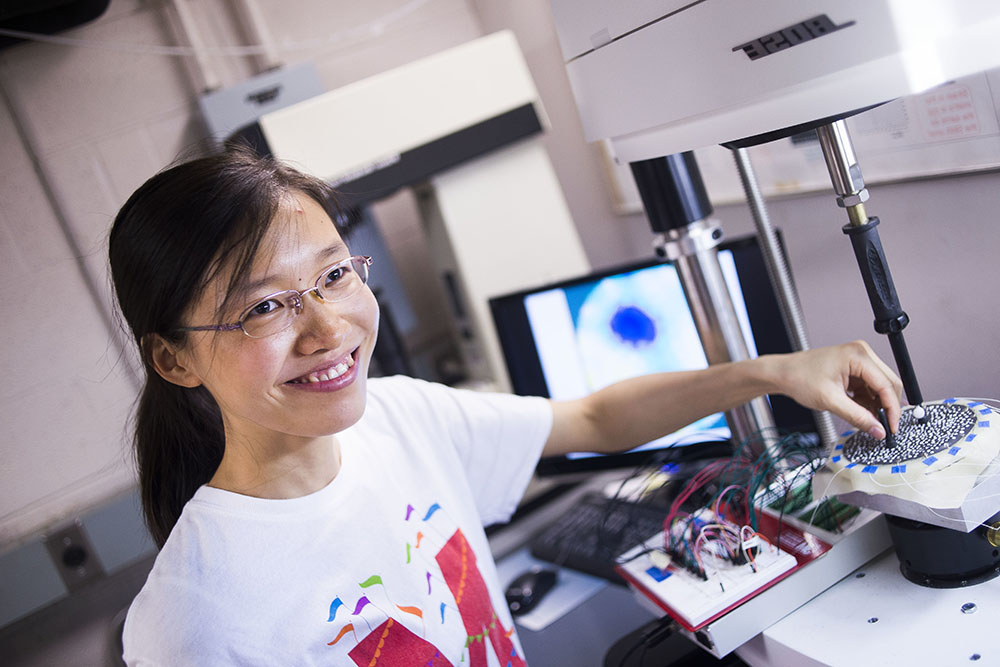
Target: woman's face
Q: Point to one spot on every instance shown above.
(308, 380)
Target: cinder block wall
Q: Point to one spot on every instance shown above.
(80, 128)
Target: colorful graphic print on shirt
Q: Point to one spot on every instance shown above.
(391, 643)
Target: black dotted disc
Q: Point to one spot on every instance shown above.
(945, 424)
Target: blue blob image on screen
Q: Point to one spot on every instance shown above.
(633, 326)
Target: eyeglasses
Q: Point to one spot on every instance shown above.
(276, 312)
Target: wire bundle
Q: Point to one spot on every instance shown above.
(715, 516)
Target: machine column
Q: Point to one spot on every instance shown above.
(677, 207)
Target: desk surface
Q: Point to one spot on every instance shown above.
(583, 616)
(578, 622)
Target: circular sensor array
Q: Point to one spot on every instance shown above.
(944, 424)
(932, 463)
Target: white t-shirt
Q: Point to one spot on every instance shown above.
(387, 565)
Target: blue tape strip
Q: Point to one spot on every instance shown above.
(851, 465)
(949, 400)
(983, 424)
(846, 434)
(985, 411)
(930, 460)
(870, 469)
(970, 437)
(839, 447)
(898, 469)
(836, 458)
(975, 403)
(956, 450)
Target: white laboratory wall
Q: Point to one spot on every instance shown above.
(62, 399)
(97, 123)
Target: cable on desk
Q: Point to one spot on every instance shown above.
(649, 639)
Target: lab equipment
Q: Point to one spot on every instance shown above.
(667, 77)
(778, 69)
(938, 485)
(743, 542)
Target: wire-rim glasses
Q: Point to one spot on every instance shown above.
(275, 312)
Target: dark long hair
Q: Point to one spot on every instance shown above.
(168, 241)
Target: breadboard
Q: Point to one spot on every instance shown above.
(694, 601)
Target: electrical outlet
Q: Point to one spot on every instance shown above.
(73, 556)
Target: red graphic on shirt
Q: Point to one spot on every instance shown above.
(458, 565)
(391, 644)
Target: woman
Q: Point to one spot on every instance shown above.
(309, 515)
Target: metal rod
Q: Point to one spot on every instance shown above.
(905, 366)
(677, 206)
(840, 158)
(781, 278)
(845, 172)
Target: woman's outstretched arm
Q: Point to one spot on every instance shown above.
(848, 380)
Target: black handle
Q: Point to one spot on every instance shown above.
(889, 316)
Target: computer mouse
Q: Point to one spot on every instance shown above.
(528, 589)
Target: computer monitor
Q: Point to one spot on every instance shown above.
(570, 338)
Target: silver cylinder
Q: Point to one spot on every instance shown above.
(841, 162)
(845, 172)
(694, 250)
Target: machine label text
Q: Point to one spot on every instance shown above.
(791, 36)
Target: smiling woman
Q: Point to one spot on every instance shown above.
(293, 380)
(181, 246)
(307, 514)
(265, 452)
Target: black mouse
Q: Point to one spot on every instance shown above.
(528, 589)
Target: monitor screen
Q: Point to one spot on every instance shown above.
(571, 338)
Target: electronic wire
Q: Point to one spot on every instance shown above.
(726, 527)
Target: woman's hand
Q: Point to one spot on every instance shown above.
(848, 380)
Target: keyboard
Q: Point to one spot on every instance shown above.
(597, 529)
